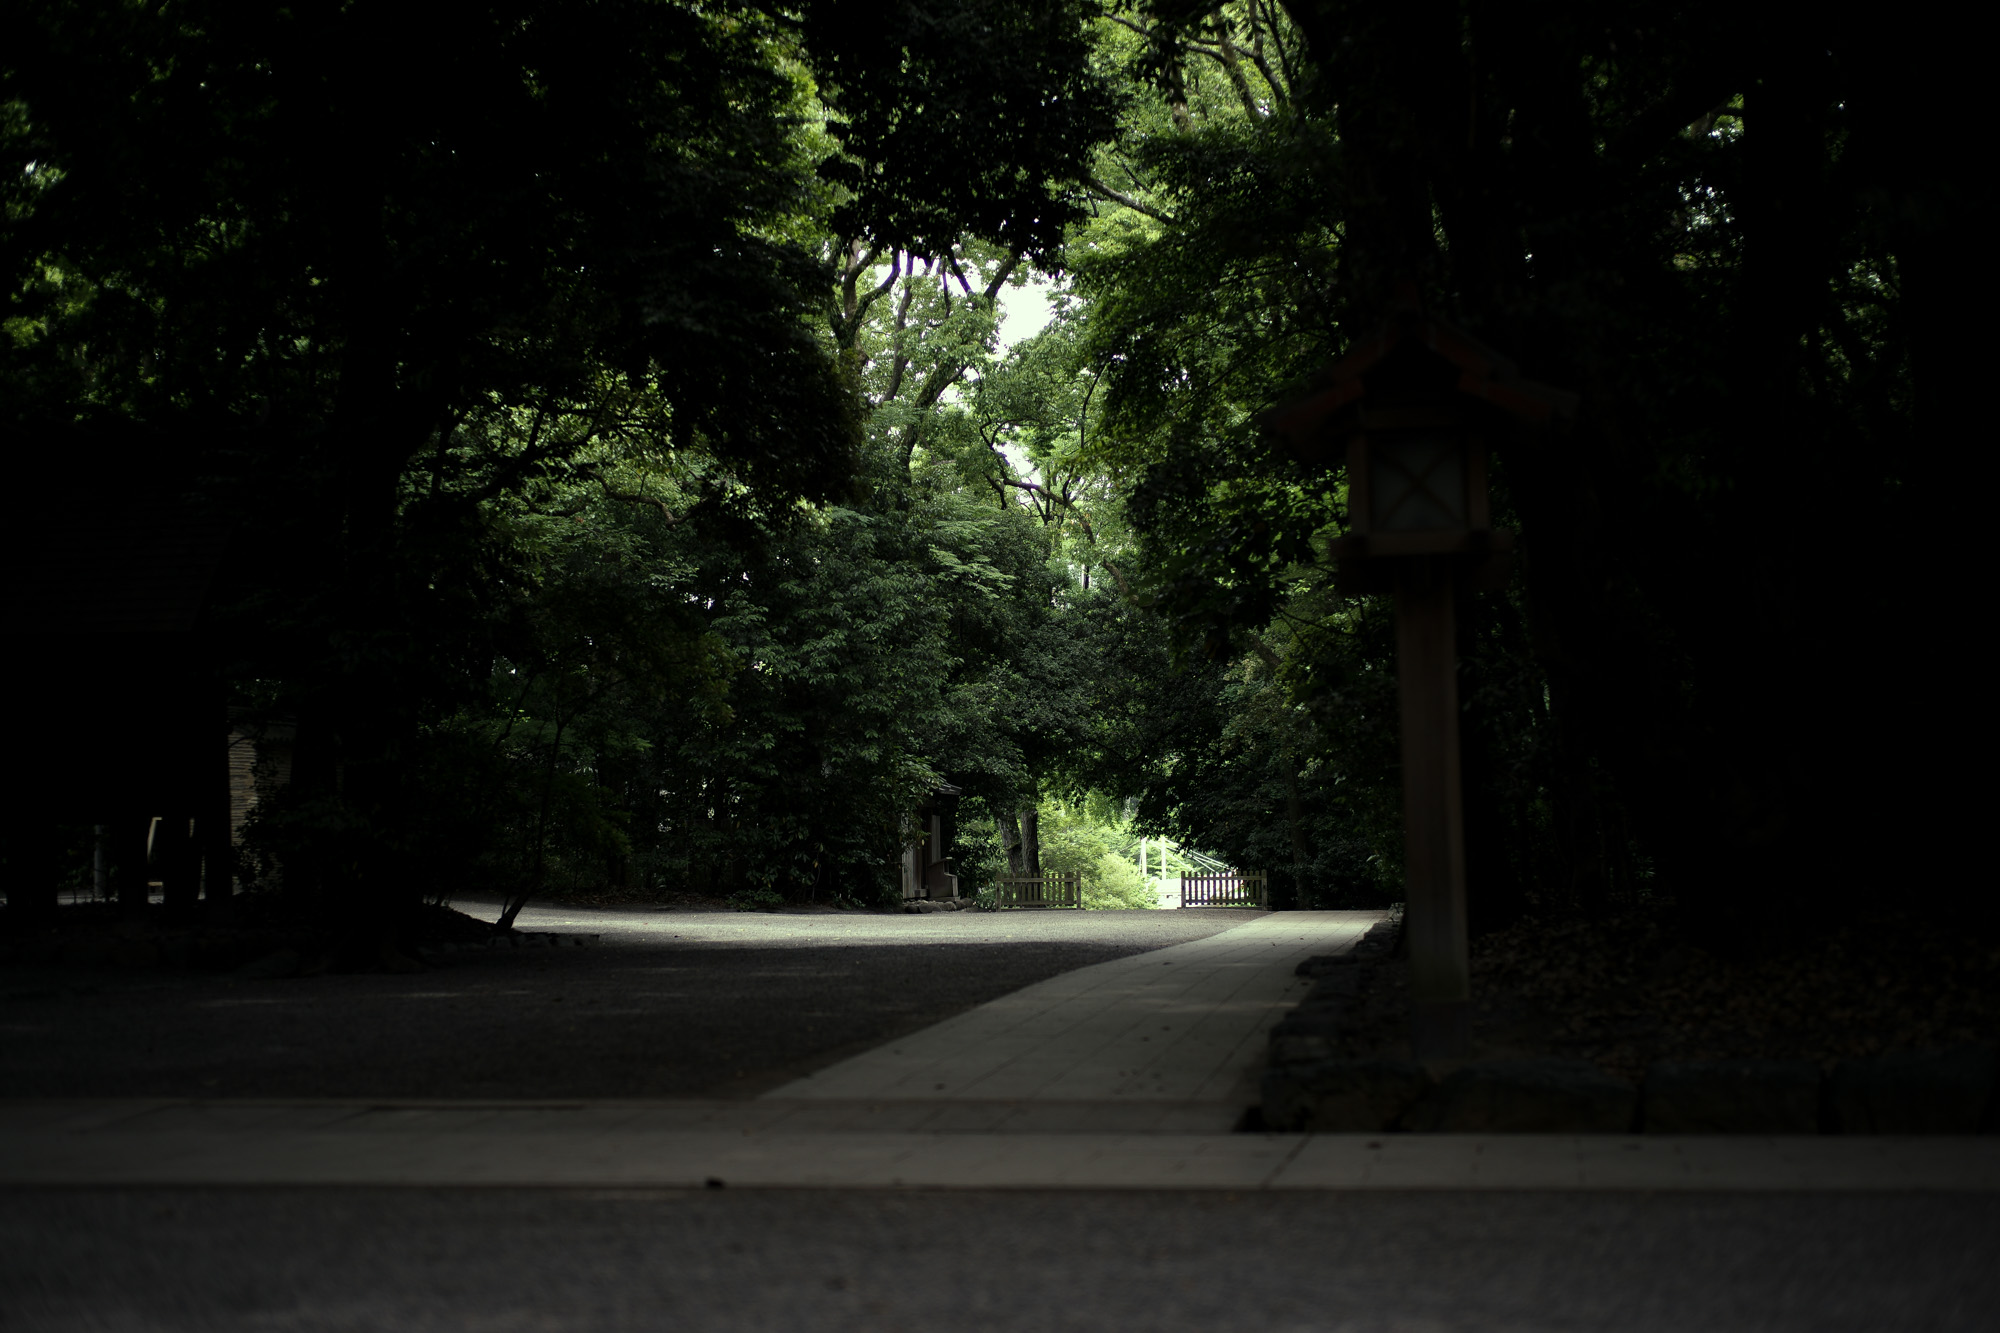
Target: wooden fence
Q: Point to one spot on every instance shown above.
(1060, 890)
(1235, 888)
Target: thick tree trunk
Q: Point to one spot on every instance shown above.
(1031, 840)
(1296, 831)
(378, 424)
(538, 876)
(1946, 217)
(179, 858)
(1010, 842)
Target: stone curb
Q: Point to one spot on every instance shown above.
(1929, 1092)
(345, 1145)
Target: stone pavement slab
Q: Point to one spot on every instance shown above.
(1126, 1074)
(777, 1145)
(1186, 1024)
(414, 1260)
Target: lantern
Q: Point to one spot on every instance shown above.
(1410, 411)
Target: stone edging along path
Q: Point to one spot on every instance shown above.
(695, 1145)
(1306, 1087)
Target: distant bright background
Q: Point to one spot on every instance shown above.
(1024, 311)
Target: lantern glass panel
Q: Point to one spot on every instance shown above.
(1417, 483)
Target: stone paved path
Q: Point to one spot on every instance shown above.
(1184, 1026)
(670, 1004)
(1123, 1074)
(1074, 1172)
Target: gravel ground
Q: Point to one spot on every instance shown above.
(1426, 1262)
(670, 1003)
(1632, 988)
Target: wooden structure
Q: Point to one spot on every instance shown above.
(260, 767)
(1410, 413)
(1064, 889)
(1231, 888)
(123, 725)
(928, 869)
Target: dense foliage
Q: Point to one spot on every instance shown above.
(631, 486)
(1729, 237)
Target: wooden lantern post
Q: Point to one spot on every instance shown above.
(1409, 412)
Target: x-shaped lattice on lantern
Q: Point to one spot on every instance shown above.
(1417, 482)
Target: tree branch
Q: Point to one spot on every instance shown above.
(901, 359)
(849, 315)
(1123, 586)
(1656, 126)
(1263, 651)
(1052, 498)
(1000, 278)
(1278, 89)
(1278, 40)
(877, 292)
(1105, 191)
(633, 497)
(951, 264)
(1225, 53)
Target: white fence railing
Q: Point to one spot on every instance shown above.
(1058, 890)
(1234, 888)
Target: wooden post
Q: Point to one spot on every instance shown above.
(1433, 813)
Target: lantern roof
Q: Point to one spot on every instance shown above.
(1416, 361)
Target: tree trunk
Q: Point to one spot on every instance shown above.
(1010, 842)
(1031, 840)
(179, 859)
(539, 876)
(1295, 829)
(377, 425)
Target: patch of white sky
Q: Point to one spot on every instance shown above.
(1024, 312)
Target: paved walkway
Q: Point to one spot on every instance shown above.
(1183, 1027)
(671, 1004)
(1123, 1074)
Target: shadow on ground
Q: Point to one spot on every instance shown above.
(744, 1004)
